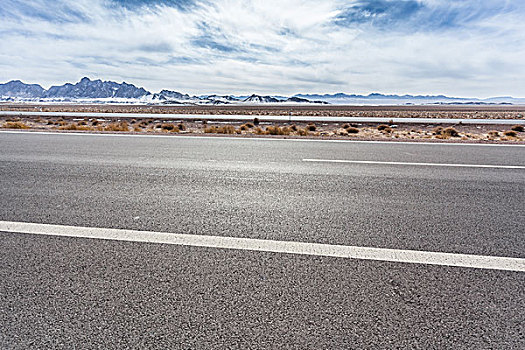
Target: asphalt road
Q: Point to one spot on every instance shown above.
(63, 292)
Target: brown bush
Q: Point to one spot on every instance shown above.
(450, 132)
(510, 133)
(118, 126)
(384, 128)
(227, 129)
(438, 130)
(352, 130)
(181, 127)
(311, 127)
(16, 125)
(169, 127)
(518, 128)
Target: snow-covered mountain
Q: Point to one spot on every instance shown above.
(98, 91)
(15, 88)
(382, 99)
(261, 99)
(87, 88)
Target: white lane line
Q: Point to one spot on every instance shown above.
(316, 249)
(414, 164)
(241, 138)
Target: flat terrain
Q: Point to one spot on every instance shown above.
(431, 111)
(59, 292)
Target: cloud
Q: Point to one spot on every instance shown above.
(467, 47)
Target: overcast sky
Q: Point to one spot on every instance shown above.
(470, 48)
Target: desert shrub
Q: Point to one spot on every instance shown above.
(510, 133)
(117, 126)
(302, 132)
(243, 127)
(352, 130)
(50, 122)
(437, 131)
(384, 128)
(74, 126)
(518, 128)
(95, 122)
(293, 127)
(276, 130)
(311, 127)
(258, 131)
(255, 121)
(16, 125)
(346, 126)
(181, 127)
(450, 132)
(170, 127)
(82, 122)
(249, 125)
(493, 133)
(226, 129)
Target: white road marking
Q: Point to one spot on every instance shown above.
(414, 164)
(241, 138)
(289, 247)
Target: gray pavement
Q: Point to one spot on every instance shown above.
(80, 293)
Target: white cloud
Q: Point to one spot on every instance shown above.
(281, 47)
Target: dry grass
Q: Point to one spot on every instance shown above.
(311, 127)
(169, 127)
(75, 126)
(352, 130)
(276, 130)
(226, 129)
(384, 128)
(450, 132)
(118, 126)
(510, 133)
(16, 125)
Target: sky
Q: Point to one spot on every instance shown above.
(464, 48)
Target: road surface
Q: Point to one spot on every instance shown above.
(66, 291)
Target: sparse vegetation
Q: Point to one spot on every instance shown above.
(169, 127)
(352, 130)
(117, 126)
(518, 128)
(311, 127)
(384, 128)
(16, 125)
(510, 133)
(450, 132)
(226, 129)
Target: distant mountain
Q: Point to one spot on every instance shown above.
(15, 88)
(87, 88)
(295, 99)
(98, 91)
(171, 95)
(261, 99)
(377, 98)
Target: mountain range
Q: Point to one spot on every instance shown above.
(98, 91)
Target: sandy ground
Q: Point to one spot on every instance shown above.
(444, 111)
(358, 131)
